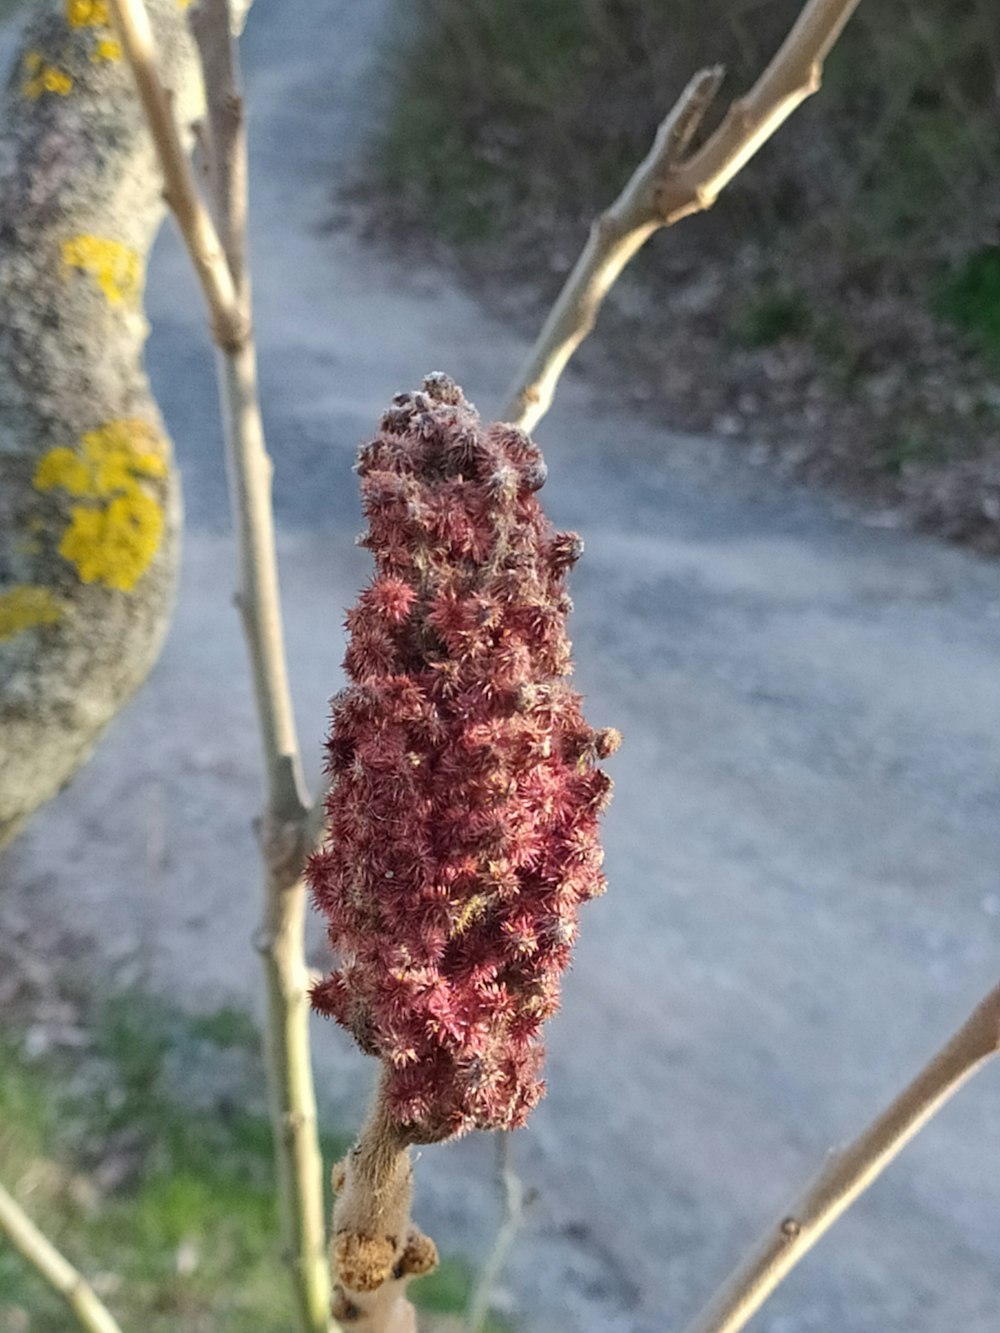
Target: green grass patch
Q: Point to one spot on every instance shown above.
(187, 1235)
(771, 315)
(448, 1290)
(909, 444)
(155, 1176)
(424, 155)
(969, 297)
(470, 82)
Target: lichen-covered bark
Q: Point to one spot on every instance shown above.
(89, 497)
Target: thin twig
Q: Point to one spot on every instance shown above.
(210, 23)
(514, 1202)
(200, 237)
(284, 841)
(668, 185)
(614, 238)
(91, 1313)
(849, 1171)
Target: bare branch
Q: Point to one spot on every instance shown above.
(849, 1171)
(614, 238)
(283, 833)
(514, 1202)
(91, 1314)
(667, 186)
(229, 326)
(681, 124)
(794, 74)
(210, 24)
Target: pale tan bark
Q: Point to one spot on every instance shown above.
(849, 1171)
(670, 184)
(219, 263)
(87, 1308)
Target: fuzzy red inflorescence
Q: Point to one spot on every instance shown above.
(462, 817)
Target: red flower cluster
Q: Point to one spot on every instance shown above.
(465, 798)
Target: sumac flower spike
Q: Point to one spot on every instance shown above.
(462, 819)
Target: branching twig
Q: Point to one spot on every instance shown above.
(91, 1314)
(284, 840)
(614, 238)
(850, 1171)
(668, 186)
(514, 1203)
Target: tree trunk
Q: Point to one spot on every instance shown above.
(90, 510)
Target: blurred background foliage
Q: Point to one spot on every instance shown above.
(502, 106)
(137, 1136)
(838, 305)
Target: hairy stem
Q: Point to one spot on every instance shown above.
(375, 1249)
(91, 1314)
(849, 1171)
(669, 185)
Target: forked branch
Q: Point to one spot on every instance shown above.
(669, 185)
(90, 1312)
(849, 1171)
(220, 265)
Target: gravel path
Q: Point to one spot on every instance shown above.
(803, 849)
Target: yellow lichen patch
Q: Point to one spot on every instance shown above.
(94, 14)
(114, 545)
(25, 606)
(113, 539)
(65, 469)
(87, 13)
(106, 49)
(117, 267)
(42, 78)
